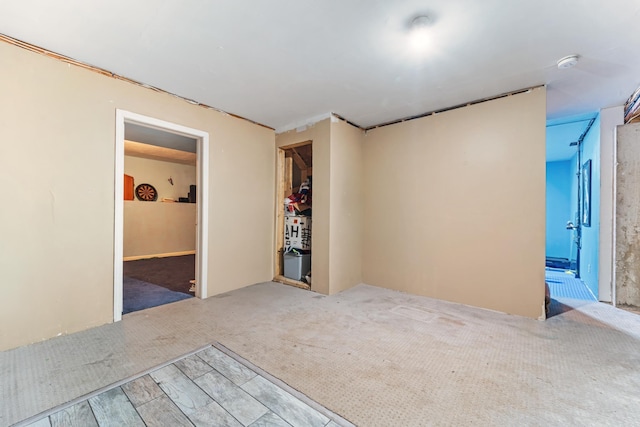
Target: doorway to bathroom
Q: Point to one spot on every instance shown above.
(572, 207)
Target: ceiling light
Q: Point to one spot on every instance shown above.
(419, 34)
(567, 62)
(420, 22)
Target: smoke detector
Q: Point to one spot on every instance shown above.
(567, 62)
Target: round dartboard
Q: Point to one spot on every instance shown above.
(146, 193)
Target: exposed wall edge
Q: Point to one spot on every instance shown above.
(302, 125)
(466, 104)
(418, 116)
(33, 48)
(339, 117)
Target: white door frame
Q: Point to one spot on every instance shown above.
(610, 119)
(202, 197)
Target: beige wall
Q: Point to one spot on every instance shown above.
(57, 164)
(320, 135)
(158, 172)
(158, 229)
(337, 202)
(455, 205)
(346, 206)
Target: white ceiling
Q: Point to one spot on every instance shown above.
(283, 62)
(160, 138)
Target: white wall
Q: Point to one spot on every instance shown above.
(609, 119)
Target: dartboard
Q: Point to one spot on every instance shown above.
(146, 193)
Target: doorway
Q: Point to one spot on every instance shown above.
(571, 209)
(159, 218)
(124, 119)
(294, 174)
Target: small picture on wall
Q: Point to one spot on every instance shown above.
(586, 194)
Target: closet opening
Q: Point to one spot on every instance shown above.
(294, 201)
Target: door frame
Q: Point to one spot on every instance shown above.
(282, 182)
(202, 196)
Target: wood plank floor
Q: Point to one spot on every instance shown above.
(208, 388)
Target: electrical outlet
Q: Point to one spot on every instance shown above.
(588, 268)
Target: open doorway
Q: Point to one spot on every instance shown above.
(195, 177)
(571, 208)
(160, 208)
(294, 201)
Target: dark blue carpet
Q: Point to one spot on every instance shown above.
(138, 295)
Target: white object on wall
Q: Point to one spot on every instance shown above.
(297, 233)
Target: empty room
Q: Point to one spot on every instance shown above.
(326, 213)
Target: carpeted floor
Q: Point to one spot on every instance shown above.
(375, 356)
(138, 295)
(172, 273)
(210, 387)
(564, 285)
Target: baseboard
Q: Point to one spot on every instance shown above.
(168, 254)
